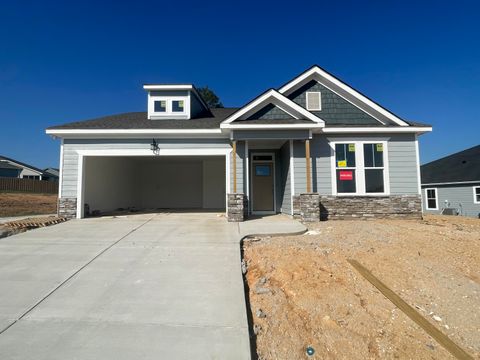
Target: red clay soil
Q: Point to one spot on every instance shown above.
(19, 204)
(303, 292)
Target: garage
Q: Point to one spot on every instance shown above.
(149, 183)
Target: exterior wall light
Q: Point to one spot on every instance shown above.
(154, 146)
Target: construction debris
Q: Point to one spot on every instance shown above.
(33, 223)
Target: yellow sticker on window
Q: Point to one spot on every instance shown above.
(351, 147)
(380, 147)
(342, 163)
(180, 104)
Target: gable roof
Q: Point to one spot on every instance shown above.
(6, 165)
(344, 90)
(463, 166)
(21, 164)
(272, 96)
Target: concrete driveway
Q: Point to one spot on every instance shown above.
(157, 286)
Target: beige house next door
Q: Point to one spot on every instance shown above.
(263, 184)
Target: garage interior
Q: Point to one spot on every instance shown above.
(140, 183)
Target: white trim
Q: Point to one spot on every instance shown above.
(247, 176)
(377, 129)
(360, 167)
(80, 187)
(436, 199)
(323, 74)
(319, 94)
(271, 126)
(475, 194)
(40, 173)
(60, 171)
(266, 98)
(292, 175)
(417, 153)
(274, 211)
(58, 132)
(452, 183)
(153, 87)
(160, 152)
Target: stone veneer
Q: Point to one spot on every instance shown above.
(357, 207)
(67, 207)
(371, 207)
(306, 207)
(237, 207)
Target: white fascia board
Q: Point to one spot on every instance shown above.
(272, 126)
(363, 130)
(272, 93)
(317, 71)
(453, 183)
(161, 152)
(153, 87)
(63, 132)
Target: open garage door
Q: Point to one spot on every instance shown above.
(154, 183)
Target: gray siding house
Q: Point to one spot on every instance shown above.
(25, 171)
(451, 185)
(313, 148)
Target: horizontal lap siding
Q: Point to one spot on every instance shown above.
(71, 146)
(322, 169)
(299, 165)
(458, 197)
(402, 157)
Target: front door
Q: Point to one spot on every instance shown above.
(262, 184)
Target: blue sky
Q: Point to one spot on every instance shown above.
(66, 61)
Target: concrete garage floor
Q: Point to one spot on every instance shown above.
(144, 286)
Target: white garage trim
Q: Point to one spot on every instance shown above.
(161, 152)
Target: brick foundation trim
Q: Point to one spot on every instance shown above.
(67, 207)
(237, 207)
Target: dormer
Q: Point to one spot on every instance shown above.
(182, 102)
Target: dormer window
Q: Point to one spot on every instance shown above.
(178, 106)
(160, 106)
(174, 102)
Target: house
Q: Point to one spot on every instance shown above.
(50, 174)
(315, 147)
(9, 170)
(26, 171)
(451, 185)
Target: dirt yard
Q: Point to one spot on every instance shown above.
(19, 204)
(303, 292)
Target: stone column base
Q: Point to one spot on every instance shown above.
(237, 207)
(67, 207)
(306, 207)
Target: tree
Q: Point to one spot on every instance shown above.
(210, 97)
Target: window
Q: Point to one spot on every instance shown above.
(431, 199)
(476, 194)
(360, 168)
(345, 168)
(160, 106)
(32, 177)
(373, 162)
(262, 170)
(314, 101)
(178, 106)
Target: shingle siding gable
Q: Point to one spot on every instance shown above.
(270, 112)
(335, 109)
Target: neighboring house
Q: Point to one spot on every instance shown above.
(314, 147)
(50, 174)
(451, 185)
(9, 170)
(27, 171)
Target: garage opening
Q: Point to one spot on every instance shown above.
(114, 183)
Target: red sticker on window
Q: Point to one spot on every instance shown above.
(346, 175)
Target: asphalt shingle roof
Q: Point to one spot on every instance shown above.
(139, 120)
(6, 165)
(461, 166)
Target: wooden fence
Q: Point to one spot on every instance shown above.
(28, 185)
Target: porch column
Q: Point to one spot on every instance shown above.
(234, 165)
(308, 166)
